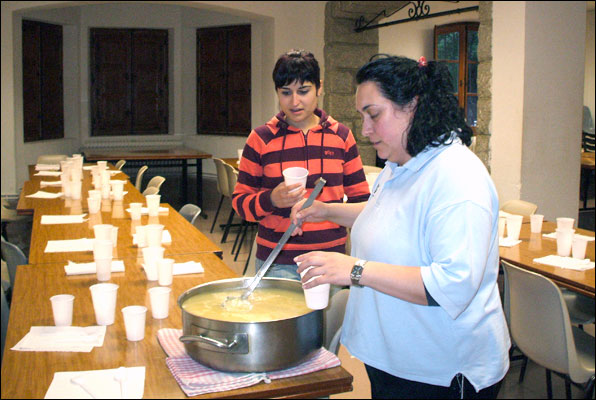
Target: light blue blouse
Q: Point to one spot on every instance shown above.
(438, 211)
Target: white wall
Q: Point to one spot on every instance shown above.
(415, 39)
(276, 28)
(538, 70)
(589, 73)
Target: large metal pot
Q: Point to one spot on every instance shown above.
(250, 346)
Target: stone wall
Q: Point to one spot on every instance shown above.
(482, 149)
(345, 52)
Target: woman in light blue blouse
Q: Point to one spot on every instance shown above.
(424, 313)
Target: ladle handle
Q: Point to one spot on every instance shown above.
(254, 283)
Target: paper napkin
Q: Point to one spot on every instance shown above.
(566, 262)
(553, 235)
(508, 242)
(62, 219)
(145, 210)
(89, 268)
(62, 338)
(47, 167)
(40, 194)
(101, 384)
(48, 173)
(190, 267)
(50, 183)
(60, 246)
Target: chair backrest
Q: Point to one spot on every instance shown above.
(222, 177)
(190, 212)
(139, 180)
(13, 257)
(232, 175)
(5, 312)
(120, 164)
(519, 207)
(51, 158)
(371, 169)
(156, 181)
(334, 318)
(538, 320)
(150, 190)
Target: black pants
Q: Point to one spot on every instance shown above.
(387, 386)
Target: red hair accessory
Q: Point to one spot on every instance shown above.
(422, 62)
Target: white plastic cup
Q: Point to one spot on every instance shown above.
(105, 192)
(160, 301)
(317, 298)
(103, 231)
(134, 322)
(103, 269)
(564, 241)
(135, 211)
(103, 165)
(75, 189)
(578, 247)
(66, 186)
(114, 236)
(104, 302)
(151, 257)
(141, 236)
(164, 271)
(102, 248)
(502, 225)
(117, 189)
(514, 223)
(153, 204)
(565, 223)
(536, 223)
(154, 234)
(62, 305)
(93, 204)
(295, 175)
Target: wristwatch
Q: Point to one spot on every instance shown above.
(356, 273)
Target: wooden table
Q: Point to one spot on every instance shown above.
(182, 154)
(29, 374)
(534, 245)
(186, 239)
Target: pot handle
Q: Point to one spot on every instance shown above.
(208, 340)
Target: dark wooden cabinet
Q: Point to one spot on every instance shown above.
(43, 101)
(129, 81)
(223, 80)
(457, 46)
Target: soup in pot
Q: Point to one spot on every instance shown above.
(264, 304)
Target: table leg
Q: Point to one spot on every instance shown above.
(184, 181)
(200, 187)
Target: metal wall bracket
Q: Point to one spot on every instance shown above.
(418, 11)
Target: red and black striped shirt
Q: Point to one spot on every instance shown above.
(328, 150)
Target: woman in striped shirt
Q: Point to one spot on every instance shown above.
(300, 135)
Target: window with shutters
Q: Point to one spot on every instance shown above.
(43, 101)
(129, 81)
(223, 81)
(456, 45)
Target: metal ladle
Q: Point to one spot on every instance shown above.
(255, 281)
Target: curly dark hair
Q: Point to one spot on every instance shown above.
(437, 113)
(296, 65)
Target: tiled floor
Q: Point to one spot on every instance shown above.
(534, 383)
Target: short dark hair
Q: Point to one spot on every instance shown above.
(296, 65)
(437, 112)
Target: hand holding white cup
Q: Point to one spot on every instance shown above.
(295, 175)
(317, 297)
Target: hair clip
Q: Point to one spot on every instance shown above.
(422, 62)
